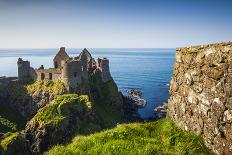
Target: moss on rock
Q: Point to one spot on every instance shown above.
(10, 119)
(46, 86)
(27, 99)
(108, 101)
(60, 109)
(57, 122)
(14, 143)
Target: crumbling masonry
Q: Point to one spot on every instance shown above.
(201, 94)
(71, 71)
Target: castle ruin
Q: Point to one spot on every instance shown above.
(71, 71)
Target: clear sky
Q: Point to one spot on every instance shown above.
(113, 23)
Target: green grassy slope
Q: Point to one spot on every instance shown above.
(10, 119)
(159, 137)
(14, 143)
(57, 111)
(108, 102)
(47, 86)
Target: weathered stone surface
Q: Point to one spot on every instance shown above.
(229, 103)
(214, 73)
(201, 94)
(174, 86)
(228, 116)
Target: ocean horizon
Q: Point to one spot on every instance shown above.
(148, 70)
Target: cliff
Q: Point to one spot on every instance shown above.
(14, 143)
(201, 94)
(10, 120)
(27, 99)
(54, 116)
(56, 123)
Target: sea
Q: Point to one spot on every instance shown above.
(146, 70)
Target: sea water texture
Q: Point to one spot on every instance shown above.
(147, 70)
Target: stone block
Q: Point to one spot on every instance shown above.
(203, 101)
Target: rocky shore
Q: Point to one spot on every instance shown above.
(130, 110)
(137, 96)
(161, 111)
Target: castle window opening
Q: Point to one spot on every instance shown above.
(56, 64)
(75, 74)
(42, 76)
(50, 76)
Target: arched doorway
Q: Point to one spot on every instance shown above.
(42, 76)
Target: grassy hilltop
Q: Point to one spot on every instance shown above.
(158, 137)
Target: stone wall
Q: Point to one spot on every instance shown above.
(103, 65)
(24, 70)
(201, 94)
(60, 56)
(53, 74)
(73, 73)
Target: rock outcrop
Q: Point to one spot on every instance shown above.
(53, 115)
(14, 143)
(201, 94)
(57, 122)
(27, 99)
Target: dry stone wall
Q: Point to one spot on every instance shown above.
(201, 94)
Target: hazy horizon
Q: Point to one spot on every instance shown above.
(113, 24)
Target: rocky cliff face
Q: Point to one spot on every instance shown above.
(201, 94)
(27, 99)
(14, 143)
(55, 117)
(59, 121)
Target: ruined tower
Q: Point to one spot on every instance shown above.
(60, 56)
(103, 64)
(24, 70)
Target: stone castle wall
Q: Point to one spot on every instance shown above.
(201, 94)
(104, 66)
(71, 71)
(53, 74)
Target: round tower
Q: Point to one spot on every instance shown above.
(106, 76)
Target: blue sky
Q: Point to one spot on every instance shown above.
(113, 23)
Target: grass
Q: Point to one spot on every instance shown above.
(16, 91)
(108, 118)
(8, 138)
(10, 119)
(107, 101)
(159, 137)
(47, 86)
(13, 143)
(57, 111)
